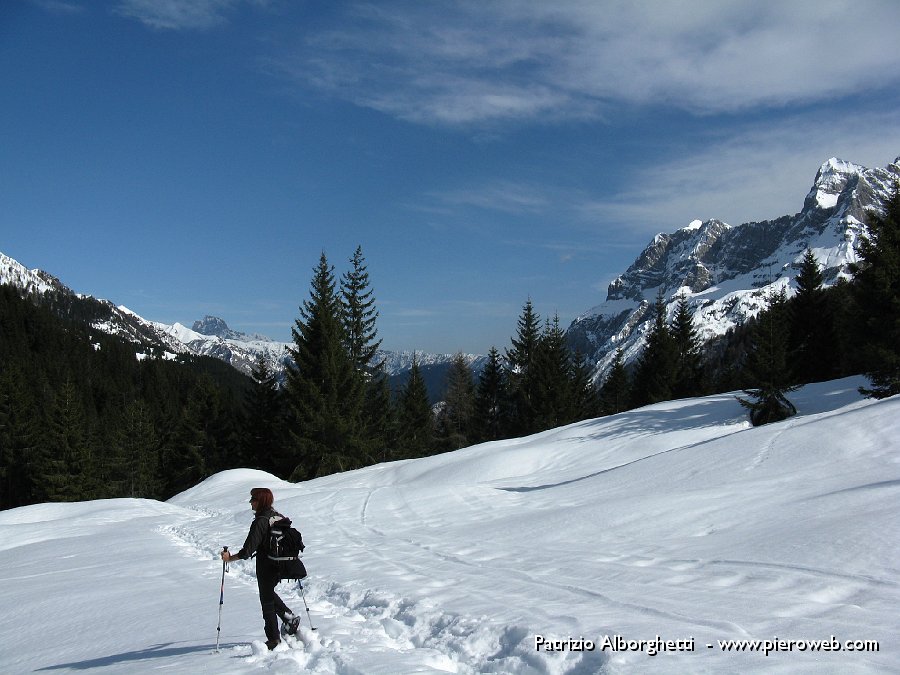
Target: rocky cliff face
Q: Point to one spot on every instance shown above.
(727, 272)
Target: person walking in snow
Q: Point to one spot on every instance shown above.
(256, 544)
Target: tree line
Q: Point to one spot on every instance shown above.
(81, 417)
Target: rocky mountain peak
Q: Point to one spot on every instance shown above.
(726, 271)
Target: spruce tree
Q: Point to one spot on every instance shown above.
(264, 432)
(19, 439)
(813, 347)
(552, 398)
(654, 376)
(140, 450)
(688, 372)
(491, 400)
(359, 314)
(324, 388)
(876, 288)
(585, 394)
(69, 473)
(380, 419)
(414, 417)
(455, 421)
(520, 374)
(615, 393)
(767, 369)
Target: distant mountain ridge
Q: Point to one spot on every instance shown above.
(727, 272)
(211, 336)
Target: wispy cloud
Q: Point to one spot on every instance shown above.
(461, 62)
(758, 173)
(59, 6)
(505, 196)
(177, 14)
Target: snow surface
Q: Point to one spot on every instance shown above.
(676, 520)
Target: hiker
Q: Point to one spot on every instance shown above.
(266, 570)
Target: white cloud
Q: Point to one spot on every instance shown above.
(177, 14)
(461, 62)
(758, 173)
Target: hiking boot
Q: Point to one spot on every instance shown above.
(271, 644)
(293, 625)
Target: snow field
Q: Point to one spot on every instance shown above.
(674, 522)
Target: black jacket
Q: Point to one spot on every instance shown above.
(257, 541)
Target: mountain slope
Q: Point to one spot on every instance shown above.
(727, 272)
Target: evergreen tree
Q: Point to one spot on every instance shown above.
(324, 388)
(688, 371)
(415, 420)
(767, 368)
(615, 393)
(654, 377)
(877, 292)
(183, 456)
(491, 407)
(585, 394)
(264, 431)
(359, 314)
(552, 399)
(455, 421)
(68, 475)
(812, 341)
(19, 440)
(520, 375)
(140, 450)
(380, 418)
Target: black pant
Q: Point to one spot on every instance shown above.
(272, 605)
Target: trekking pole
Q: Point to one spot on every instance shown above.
(221, 600)
(303, 595)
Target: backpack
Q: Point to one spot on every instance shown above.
(285, 547)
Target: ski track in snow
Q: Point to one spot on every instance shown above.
(388, 622)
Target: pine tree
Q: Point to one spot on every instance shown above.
(876, 288)
(19, 440)
(812, 341)
(415, 420)
(615, 393)
(491, 401)
(264, 431)
(359, 314)
(585, 394)
(688, 372)
(553, 400)
(380, 419)
(520, 374)
(767, 367)
(455, 421)
(68, 476)
(140, 450)
(324, 388)
(654, 376)
(184, 455)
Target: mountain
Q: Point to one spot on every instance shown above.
(726, 272)
(102, 315)
(209, 336)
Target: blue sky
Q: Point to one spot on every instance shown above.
(192, 157)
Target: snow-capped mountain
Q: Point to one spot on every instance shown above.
(103, 315)
(209, 336)
(728, 272)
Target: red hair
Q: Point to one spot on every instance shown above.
(263, 497)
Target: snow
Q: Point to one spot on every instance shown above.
(677, 520)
